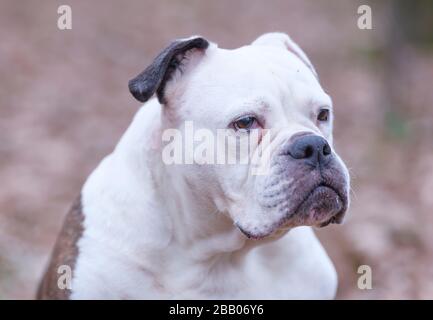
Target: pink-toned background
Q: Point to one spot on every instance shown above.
(64, 103)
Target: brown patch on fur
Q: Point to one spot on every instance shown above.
(65, 253)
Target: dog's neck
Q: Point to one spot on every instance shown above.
(198, 226)
(164, 217)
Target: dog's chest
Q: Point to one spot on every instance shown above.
(270, 272)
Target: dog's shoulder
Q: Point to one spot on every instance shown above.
(64, 254)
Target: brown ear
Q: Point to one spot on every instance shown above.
(282, 39)
(154, 77)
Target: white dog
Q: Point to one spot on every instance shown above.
(144, 229)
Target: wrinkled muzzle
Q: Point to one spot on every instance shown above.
(308, 185)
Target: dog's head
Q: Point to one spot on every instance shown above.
(268, 88)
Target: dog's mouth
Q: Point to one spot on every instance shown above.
(323, 205)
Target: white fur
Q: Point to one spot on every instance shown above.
(154, 231)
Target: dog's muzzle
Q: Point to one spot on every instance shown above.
(308, 186)
(325, 203)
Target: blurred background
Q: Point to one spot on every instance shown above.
(64, 103)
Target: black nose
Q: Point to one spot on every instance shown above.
(311, 148)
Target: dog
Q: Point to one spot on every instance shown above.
(142, 229)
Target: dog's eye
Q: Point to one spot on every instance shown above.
(245, 123)
(323, 115)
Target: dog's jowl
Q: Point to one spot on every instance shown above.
(143, 228)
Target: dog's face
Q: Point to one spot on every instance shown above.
(269, 88)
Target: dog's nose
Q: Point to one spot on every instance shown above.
(311, 148)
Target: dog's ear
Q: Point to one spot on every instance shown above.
(283, 40)
(173, 58)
